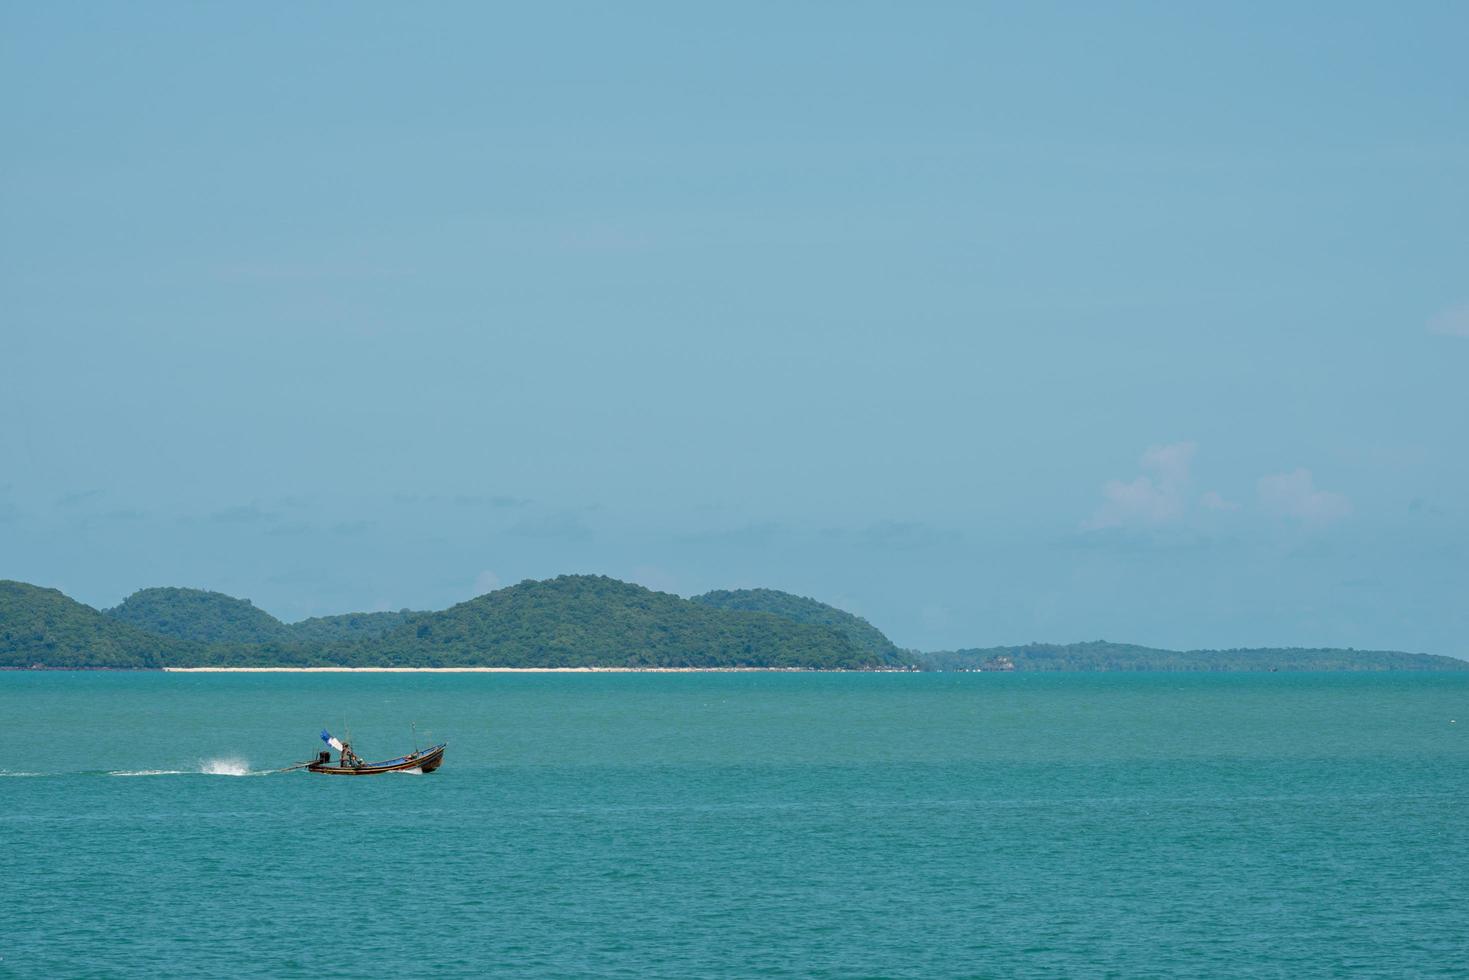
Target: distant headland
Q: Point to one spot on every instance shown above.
(570, 623)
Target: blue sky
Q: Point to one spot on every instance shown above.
(990, 323)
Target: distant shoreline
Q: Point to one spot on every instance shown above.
(509, 670)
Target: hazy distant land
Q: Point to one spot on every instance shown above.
(574, 622)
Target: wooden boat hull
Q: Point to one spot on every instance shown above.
(426, 761)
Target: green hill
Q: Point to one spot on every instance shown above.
(1100, 655)
(44, 627)
(571, 621)
(204, 617)
(585, 620)
(803, 610)
(216, 618)
(349, 626)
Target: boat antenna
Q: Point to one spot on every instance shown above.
(414, 725)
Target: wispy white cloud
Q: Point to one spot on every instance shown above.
(1214, 500)
(1296, 496)
(1453, 321)
(1171, 462)
(1154, 497)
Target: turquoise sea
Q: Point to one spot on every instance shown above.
(682, 825)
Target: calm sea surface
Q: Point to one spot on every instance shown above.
(738, 824)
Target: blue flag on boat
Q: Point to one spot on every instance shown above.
(326, 737)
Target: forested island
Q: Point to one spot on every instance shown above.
(569, 622)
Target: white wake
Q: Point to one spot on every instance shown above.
(227, 766)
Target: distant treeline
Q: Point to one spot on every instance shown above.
(570, 621)
(1103, 656)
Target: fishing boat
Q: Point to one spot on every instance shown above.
(348, 763)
